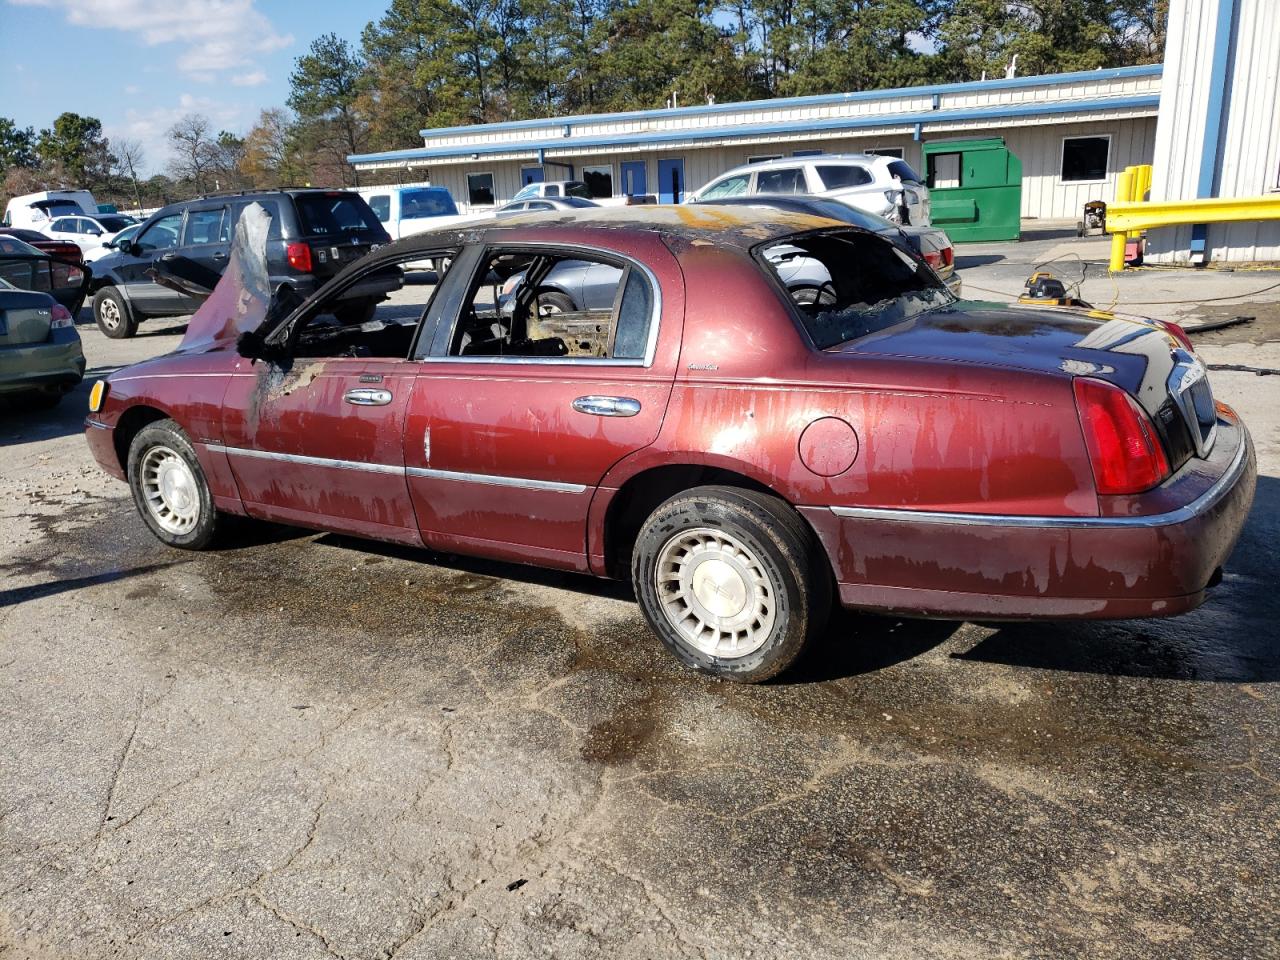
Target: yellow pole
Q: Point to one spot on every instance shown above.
(1124, 190)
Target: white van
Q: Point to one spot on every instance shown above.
(406, 210)
(35, 211)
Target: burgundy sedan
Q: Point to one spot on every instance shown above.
(772, 410)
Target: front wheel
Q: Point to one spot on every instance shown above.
(112, 313)
(169, 487)
(732, 581)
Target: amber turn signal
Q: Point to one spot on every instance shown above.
(97, 395)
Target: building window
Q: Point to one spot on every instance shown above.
(599, 180)
(1084, 159)
(480, 189)
(764, 158)
(806, 153)
(887, 152)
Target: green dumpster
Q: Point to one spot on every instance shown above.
(975, 189)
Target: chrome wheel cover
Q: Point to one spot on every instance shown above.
(169, 490)
(716, 593)
(109, 314)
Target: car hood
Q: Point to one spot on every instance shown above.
(1131, 352)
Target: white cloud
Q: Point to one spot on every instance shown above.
(217, 34)
(249, 79)
(150, 127)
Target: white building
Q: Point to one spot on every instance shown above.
(1219, 126)
(1074, 132)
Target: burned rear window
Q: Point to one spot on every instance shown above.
(847, 285)
(335, 214)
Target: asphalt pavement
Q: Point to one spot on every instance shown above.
(304, 745)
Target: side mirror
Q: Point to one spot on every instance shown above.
(131, 248)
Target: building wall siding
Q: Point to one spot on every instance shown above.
(1248, 163)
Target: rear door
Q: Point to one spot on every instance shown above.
(206, 235)
(516, 418)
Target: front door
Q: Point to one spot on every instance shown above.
(158, 239)
(527, 399)
(671, 180)
(633, 178)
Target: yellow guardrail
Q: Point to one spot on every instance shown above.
(1129, 214)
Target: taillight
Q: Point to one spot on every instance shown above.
(1178, 334)
(61, 317)
(1124, 450)
(299, 255)
(948, 255)
(934, 259)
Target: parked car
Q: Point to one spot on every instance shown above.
(542, 205)
(314, 234)
(404, 211)
(37, 210)
(40, 353)
(51, 268)
(61, 249)
(735, 451)
(553, 189)
(930, 243)
(885, 186)
(89, 233)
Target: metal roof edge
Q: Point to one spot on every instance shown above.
(751, 130)
(821, 99)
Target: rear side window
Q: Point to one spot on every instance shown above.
(551, 191)
(848, 285)
(205, 226)
(274, 232)
(839, 177)
(790, 180)
(902, 170)
(581, 190)
(335, 214)
(381, 207)
(421, 204)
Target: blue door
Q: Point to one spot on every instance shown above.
(530, 175)
(633, 180)
(671, 180)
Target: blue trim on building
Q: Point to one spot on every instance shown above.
(1215, 108)
(660, 138)
(1040, 80)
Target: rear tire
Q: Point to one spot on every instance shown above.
(169, 487)
(553, 302)
(112, 314)
(357, 312)
(732, 581)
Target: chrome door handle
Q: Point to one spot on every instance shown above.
(366, 397)
(607, 406)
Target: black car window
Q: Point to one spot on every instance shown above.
(274, 232)
(335, 214)
(204, 226)
(847, 285)
(551, 191)
(553, 306)
(904, 172)
(65, 225)
(381, 207)
(162, 233)
(788, 180)
(539, 205)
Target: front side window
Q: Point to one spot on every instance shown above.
(846, 285)
(1085, 158)
(162, 234)
(381, 207)
(480, 189)
(599, 181)
(525, 304)
(552, 190)
(839, 177)
(728, 187)
(786, 180)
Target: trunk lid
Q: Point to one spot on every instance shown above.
(24, 317)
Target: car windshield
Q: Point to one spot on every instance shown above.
(849, 284)
(418, 204)
(333, 214)
(12, 245)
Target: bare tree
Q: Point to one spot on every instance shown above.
(129, 158)
(195, 152)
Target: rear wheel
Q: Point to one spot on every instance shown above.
(553, 303)
(356, 312)
(169, 487)
(732, 581)
(112, 314)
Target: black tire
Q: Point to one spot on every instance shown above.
(356, 312)
(551, 302)
(161, 437)
(113, 315)
(780, 548)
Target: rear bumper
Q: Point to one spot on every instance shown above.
(1141, 564)
(58, 363)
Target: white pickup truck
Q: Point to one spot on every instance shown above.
(406, 210)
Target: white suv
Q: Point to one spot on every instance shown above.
(885, 186)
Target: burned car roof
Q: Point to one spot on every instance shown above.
(729, 225)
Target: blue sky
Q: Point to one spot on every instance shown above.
(140, 65)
